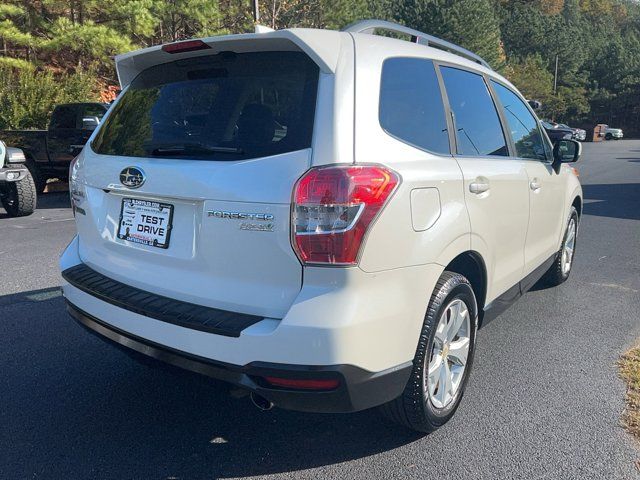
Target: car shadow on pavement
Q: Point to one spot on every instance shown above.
(54, 200)
(618, 200)
(79, 408)
(46, 201)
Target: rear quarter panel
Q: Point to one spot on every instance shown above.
(397, 239)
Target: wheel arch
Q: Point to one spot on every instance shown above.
(577, 203)
(472, 266)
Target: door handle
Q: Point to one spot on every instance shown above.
(479, 186)
(535, 185)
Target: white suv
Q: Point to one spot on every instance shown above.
(322, 218)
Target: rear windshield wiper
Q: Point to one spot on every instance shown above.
(191, 149)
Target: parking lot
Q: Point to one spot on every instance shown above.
(544, 400)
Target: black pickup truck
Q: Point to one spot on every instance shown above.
(49, 152)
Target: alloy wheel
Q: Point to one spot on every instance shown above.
(568, 247)
(449, 354)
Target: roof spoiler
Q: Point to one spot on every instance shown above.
(323, 47)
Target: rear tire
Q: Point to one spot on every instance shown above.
(426, 404)
(608, 136)
(19, 198)
(563, 263)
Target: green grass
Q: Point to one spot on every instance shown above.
(630, 372)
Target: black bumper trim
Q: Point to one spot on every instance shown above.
(359, 389)
(183, 314)
(15, 167)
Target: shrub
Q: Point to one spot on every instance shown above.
(27, 97)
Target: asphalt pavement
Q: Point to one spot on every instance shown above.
(543, 401)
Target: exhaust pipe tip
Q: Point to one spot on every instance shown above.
(260, 402)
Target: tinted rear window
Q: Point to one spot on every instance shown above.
(220, 107)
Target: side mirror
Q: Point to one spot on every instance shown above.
(90, 123)
(566, 151)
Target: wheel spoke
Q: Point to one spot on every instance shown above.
(459, 351)
(434, 369)
(572, 233)
(452, 314)
(441, 331)
(456, 322)
(444, 385)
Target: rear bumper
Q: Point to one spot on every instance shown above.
(360, 328)
(13, 173)
(358, 389)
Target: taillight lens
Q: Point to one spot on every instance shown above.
(333, 209)
(76, 189)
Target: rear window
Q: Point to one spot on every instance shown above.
(219, 107)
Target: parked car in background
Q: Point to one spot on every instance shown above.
(556, 132)
(578, 133)
(613, 133)
(17, 188)
(323, 227)
(49, 152)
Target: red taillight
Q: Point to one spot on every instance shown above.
(303, 384)
(188, 46)
(334, 207)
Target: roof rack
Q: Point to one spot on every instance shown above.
(370, 26)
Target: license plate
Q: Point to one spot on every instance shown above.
(145, 222)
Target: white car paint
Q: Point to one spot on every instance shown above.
(369, 315)
(614, 132)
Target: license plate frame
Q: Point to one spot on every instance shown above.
(135, 205)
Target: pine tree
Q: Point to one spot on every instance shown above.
(472, 24)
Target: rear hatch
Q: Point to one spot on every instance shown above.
(187, 184)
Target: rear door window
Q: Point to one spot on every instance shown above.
(411, 106)
(64, 116)
(219, 107)
(478, 127)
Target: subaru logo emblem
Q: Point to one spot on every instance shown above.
(132, 177)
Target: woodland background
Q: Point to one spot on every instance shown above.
(54, 51)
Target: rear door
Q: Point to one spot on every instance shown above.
(495, 185)
(189, 180)
(546, 186)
